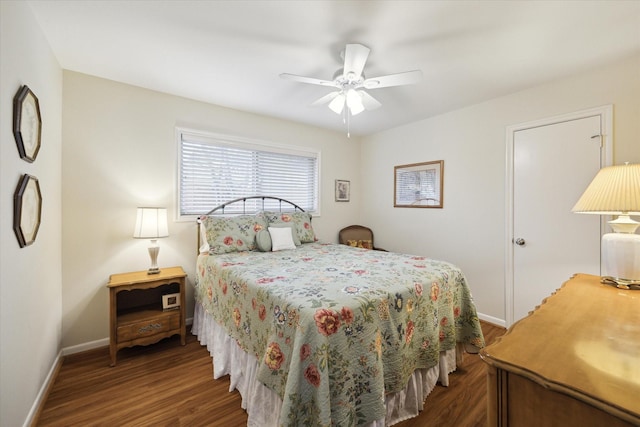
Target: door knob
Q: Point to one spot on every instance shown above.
(520, 241)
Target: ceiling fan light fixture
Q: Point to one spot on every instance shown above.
(350, 83)
(354, 102)
(337, 104)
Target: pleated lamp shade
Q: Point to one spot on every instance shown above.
(616, 191)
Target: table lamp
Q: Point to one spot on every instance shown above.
(151, 223)
(615, 190)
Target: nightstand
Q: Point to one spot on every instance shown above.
(136, 313)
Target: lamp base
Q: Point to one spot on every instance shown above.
(621, 283)
(621, 259)
(154, 249)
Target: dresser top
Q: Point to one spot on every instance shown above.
(584, 341)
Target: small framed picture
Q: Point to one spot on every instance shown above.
(343, 188)
(170, 301)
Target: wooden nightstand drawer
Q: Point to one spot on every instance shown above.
(163, 322)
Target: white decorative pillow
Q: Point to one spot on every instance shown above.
(281, 238)
(294, 233)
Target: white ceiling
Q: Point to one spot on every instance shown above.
(231, 53)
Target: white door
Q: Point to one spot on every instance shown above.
(553, 164)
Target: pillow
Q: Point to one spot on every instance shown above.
(281, 238)
(300, 220)
(232, 234)
(204, 245)
(365, 244)
(294, 233)
(263, 241)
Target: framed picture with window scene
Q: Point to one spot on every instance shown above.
(419, 185)
(343, 190)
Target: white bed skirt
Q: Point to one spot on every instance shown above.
(263, 405)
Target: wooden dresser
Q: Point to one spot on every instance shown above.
(574, 361)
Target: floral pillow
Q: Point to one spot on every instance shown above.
(232, 234)
(301, 221)
(365, 244)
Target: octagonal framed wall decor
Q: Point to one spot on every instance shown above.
(27, 210)
(27, 123)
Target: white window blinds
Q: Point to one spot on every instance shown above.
(214, 169)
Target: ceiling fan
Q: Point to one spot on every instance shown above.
(352, 83)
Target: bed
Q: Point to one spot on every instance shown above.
(321, 334)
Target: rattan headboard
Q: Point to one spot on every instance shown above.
(282, 206)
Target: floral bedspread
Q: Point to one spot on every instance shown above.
(335, 328)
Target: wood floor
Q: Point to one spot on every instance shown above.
(167, 384)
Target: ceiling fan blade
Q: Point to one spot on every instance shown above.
(355, 56)
(400, 79)
(327, 98)
(369, 102)
(308, 80)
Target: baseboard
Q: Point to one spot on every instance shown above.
(492, 320)
(41, 398)
(91, 345)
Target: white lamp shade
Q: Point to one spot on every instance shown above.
(614, 191)
(151, 223)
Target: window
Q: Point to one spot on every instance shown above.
(214, 169)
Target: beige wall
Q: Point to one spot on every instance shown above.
(470, 230)
(30, 277)
(119, 152)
